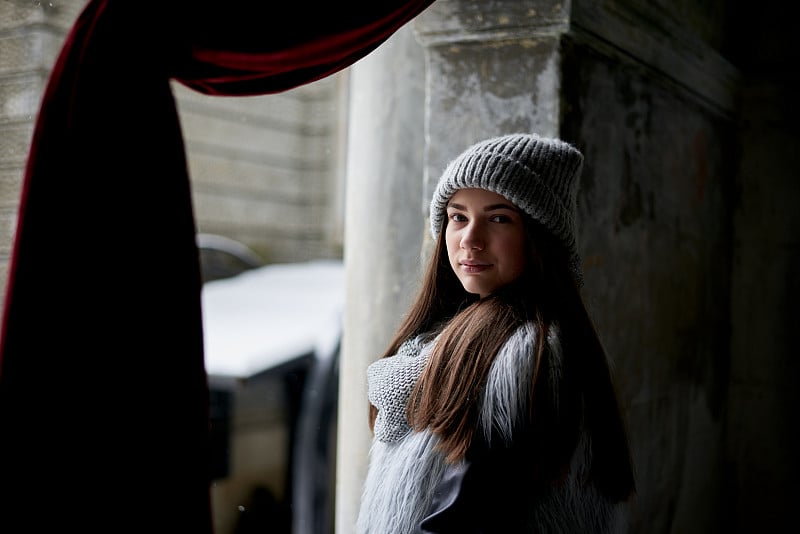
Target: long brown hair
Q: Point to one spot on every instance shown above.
(446, 397)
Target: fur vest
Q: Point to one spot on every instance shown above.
(405, 469)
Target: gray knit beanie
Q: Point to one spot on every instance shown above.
(538, 174)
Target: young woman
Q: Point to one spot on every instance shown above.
(493, 409)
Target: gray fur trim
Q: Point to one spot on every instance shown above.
(508, 386)
(400, 482)
(505, 401)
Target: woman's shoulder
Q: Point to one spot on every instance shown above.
(526, 335)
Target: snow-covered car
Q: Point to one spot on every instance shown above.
(271, 342)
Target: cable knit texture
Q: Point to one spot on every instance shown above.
(390, 381)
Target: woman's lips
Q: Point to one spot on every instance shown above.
(473, 267)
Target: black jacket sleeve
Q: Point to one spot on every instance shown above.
(485, 493)
(495, 492)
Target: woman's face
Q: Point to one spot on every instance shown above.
(485, 237)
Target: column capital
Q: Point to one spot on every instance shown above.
(449, 22)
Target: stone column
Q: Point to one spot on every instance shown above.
(493, 68)
(383, 235)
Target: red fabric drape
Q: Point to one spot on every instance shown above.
(103, 393)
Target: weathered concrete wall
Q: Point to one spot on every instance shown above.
(716, 448)
(655, 230)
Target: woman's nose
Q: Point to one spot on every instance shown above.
(472, 238)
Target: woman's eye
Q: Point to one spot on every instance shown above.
(457, 217)
(500, 218)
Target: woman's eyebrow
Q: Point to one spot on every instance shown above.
(501, 206)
